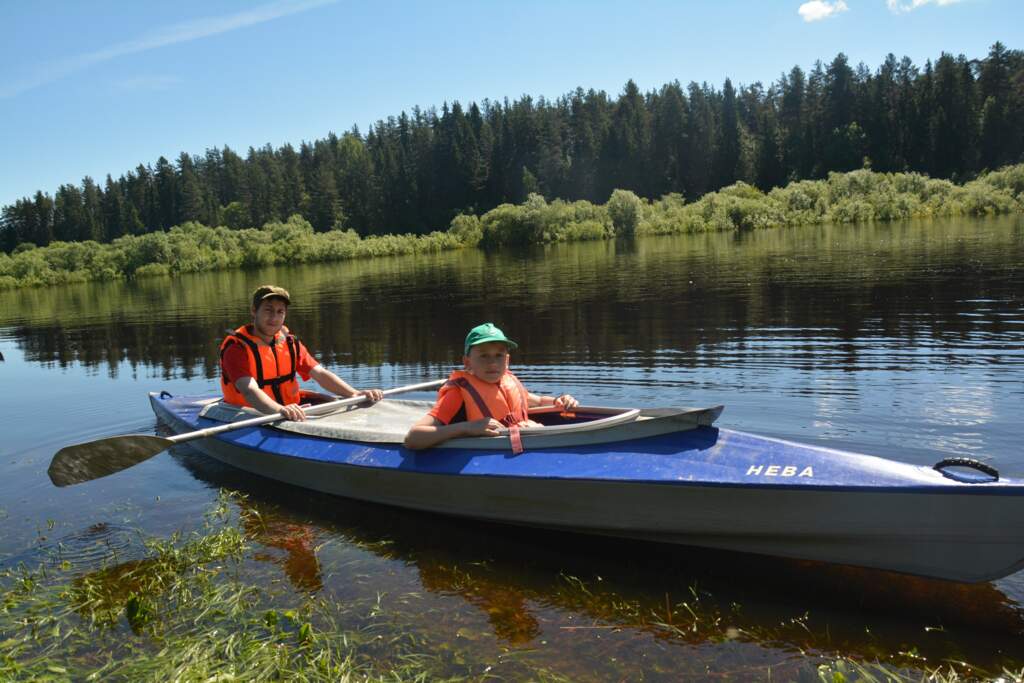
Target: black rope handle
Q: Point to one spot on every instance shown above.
(966, 462)
(166, 394)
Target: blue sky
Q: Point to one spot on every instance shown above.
(90, 88)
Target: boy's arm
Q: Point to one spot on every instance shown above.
(563, 401)
(429, 431)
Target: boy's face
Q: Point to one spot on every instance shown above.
(269, 317)
(488, 361)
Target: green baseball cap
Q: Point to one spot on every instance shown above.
(488, 332)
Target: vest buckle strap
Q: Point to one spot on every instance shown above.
(516, 439)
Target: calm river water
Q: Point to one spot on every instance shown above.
(905, 341)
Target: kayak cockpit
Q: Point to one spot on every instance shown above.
(389, 420)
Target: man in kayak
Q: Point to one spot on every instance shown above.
(259, 361)
(483, 398)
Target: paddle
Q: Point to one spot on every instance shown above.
(87, 461)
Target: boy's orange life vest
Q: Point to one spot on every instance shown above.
(506, 401)
(271, 365)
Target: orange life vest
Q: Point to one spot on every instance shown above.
(271, 365)
(507, 401)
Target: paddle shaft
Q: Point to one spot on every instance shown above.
(87, 461)
(311, 411)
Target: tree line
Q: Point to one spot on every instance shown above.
(415, 172)
(852, 197)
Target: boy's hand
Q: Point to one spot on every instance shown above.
(566, 402)
(486, 426)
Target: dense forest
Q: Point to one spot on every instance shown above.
(415, 172)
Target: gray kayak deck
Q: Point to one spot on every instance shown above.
(388, 421)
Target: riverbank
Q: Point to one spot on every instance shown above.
(857, 196)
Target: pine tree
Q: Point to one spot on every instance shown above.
(792, 125)
(770, 172)
(68, 214)
(325, 206)
(92, 207)
(842, 138)
(951, 124)
(356, 186)
(628, 143)
(293, 188)
(727, 158)
(996, 144)
(166, 181)
(589, 119)
(700, 141)
(42, 226)
(668, 141)
(234, 186)
(189, 204)
(113, 211)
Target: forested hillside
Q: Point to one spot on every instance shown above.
(414, 172)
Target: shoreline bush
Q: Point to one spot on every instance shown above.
(852, 197)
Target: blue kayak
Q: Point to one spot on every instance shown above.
(665, 475)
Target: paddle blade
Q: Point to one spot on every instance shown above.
(87, 461)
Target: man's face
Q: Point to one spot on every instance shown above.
(269, 317)
(488, 361)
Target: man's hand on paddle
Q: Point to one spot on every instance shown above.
(292, 412)
(373, 394)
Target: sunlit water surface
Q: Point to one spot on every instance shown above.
(905, 341)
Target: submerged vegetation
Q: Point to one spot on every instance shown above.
(200, 607)
(185, 611)
(856, 196)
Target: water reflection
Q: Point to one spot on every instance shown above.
(296, 542)
(852, 298)
(628, 599)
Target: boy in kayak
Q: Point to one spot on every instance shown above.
(259, 361)
(483, 398)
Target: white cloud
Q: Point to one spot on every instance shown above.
(903, 6)
(816, 10)
(161, 37)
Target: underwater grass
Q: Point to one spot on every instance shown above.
(844, 671)
(194, 607)
(187, 611)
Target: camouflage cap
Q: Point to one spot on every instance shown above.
(269, 292)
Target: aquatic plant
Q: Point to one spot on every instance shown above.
(196, 607)
(187, 611)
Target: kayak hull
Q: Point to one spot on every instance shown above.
(702, 487)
